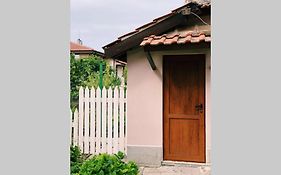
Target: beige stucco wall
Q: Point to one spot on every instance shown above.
(145, 99)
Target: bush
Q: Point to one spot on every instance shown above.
(85, 72)
(105, 164)
(80, 71)
(76, 159)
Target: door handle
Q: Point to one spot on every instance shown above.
(199, 107)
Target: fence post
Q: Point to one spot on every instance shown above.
(101, 76)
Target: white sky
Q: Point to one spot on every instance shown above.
(99, 22)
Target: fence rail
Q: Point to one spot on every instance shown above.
(100, 123)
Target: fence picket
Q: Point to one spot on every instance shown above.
(115, 120)
(109, 137)
(122, 119)
(71, 127)
(92, 122)
(75, 128)
(86, 121)
(98, 136)
(125, 119)
(81, 118)
(103, 150)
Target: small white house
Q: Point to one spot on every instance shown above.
(169, 70)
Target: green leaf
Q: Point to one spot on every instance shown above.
(85, 72)
(108, 165)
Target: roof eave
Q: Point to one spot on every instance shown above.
(133, 39)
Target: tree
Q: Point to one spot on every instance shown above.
(85, 72)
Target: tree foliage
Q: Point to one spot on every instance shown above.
(85, 72)
(125, 75)
(109, 79)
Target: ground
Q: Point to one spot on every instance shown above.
(175, 170)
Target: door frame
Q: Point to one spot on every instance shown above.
(205, 103)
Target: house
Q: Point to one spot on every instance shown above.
(118, 65)
(169, 70)
(82, 51)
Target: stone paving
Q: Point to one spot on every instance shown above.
(175, 170)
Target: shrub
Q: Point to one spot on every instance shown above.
(85, 72)
(76, 159)
(105, 164)
(80, 71)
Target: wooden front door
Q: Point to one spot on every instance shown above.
(184, 108)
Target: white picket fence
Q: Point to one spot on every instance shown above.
(99, 126)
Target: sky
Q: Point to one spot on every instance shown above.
(99, 22)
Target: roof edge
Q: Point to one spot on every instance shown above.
(122, 38)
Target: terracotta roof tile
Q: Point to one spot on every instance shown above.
(184, 40)
(157, 41)
(208, 39)
(178, 38)
(79, 47)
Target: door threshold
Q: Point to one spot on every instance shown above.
(180, 163)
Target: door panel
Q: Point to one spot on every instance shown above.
(184, 102)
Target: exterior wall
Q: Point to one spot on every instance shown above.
(145, 105)
(84, 55)
(144, 109)
(117, 66)
(110, 62)
(81, 55)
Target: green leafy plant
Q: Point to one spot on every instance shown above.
(85, 72)
(125, 75)
(76, 160)
(80, 72)
(105, 164)
(109, 79)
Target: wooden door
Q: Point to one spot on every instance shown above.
(184, 108)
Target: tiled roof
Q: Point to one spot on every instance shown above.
(184, 37)
(79, 47)
(201, 4)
